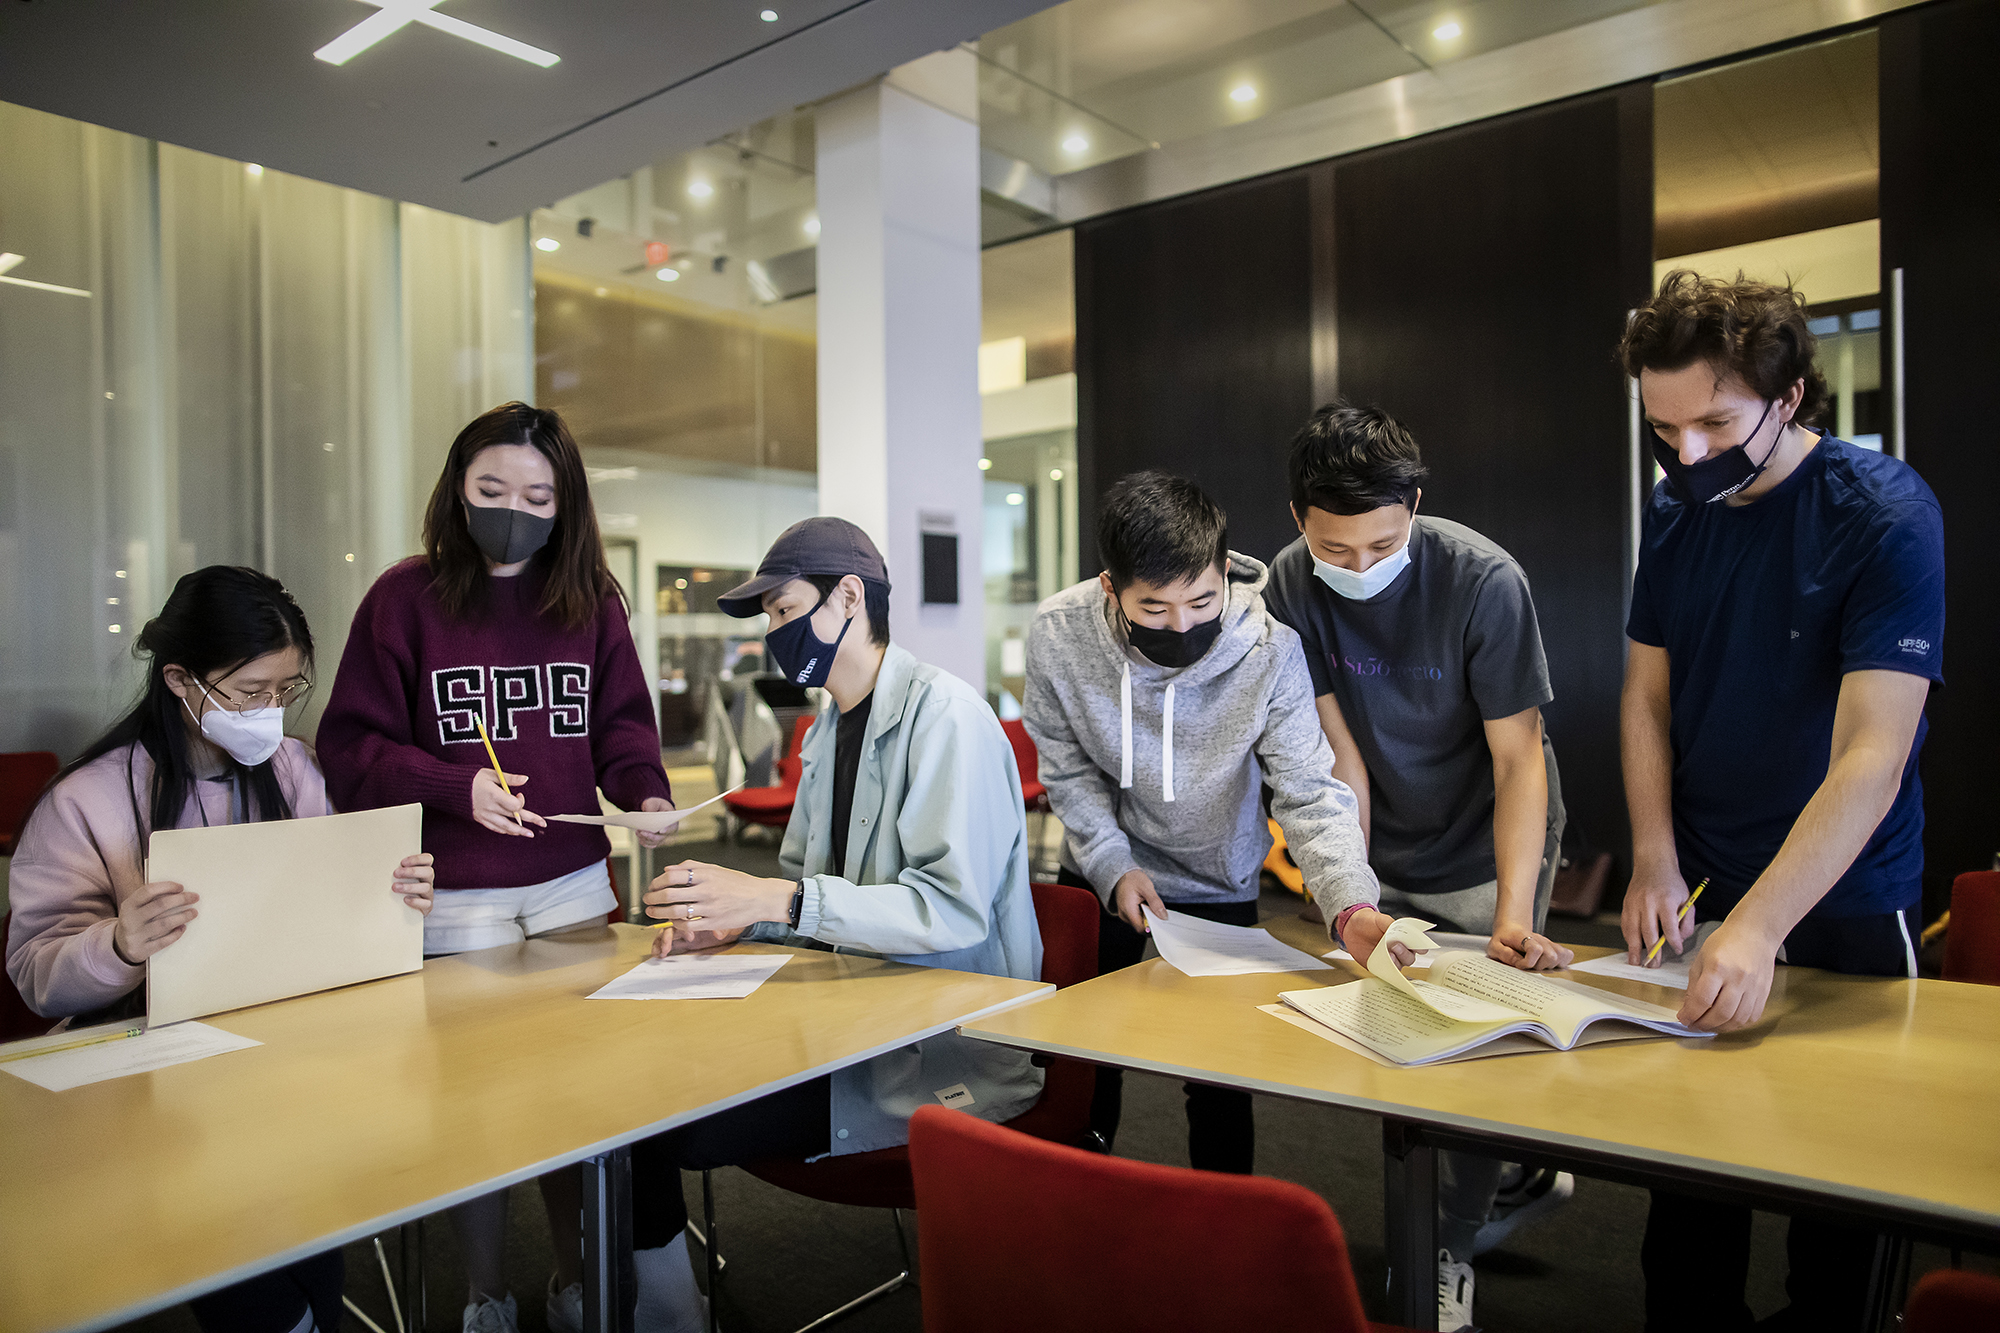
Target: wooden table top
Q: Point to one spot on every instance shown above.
(378, 1103)
(1879, 1092)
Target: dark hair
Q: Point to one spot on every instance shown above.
(1354, 460)
(217, 620)
(578, 578)
(1754, 330)
(874, 598)
(1161, 529)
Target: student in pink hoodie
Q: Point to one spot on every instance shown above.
(204, 745)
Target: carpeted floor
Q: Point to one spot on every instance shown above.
(792, 1259)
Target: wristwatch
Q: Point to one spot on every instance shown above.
(798, 904)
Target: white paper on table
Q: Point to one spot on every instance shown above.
(157, 1048)
(644, 821)
(693, 976)
(1408, 932)
(1210, 949)
(1673, 969)
(1444, 939)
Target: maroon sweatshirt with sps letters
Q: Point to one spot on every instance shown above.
(569, 708)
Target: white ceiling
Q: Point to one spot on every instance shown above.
(431, 118)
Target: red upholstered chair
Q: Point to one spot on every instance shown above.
(1949, 1300)
(17, 1020)
(1033, 793)
(22, 777)
(1972, 942)
(1068, 920)
(772, 806)
(1019, 1233)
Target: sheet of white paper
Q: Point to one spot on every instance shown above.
(1209, 949)
(645, 821)
(1408, 932)
(693, 976)
(1672, 971)
(1444, 939)
(155, 1049)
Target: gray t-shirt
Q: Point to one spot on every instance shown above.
(1417, 669)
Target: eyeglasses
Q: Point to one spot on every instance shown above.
(262, 699)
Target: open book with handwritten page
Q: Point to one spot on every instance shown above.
(1470, 1007)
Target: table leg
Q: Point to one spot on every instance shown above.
(1409, 1196)
(610, 1287)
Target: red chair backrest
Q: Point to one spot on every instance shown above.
(792, 767)
(17, 1020)
(1972, 941)
(1068, 917)
(22, 777)
(1950, 1300)
(1021, 1233)
(1025, 757)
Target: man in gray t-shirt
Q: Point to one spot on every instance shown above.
(1428, 669)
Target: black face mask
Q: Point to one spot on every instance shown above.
(1174, 648)
(507, 536)
(1719, 475)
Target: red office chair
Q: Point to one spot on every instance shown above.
(1021, 1233)
(22, 777)
(1951, 1300)
(1033, 793)
(772, 806)
(1067, 918)
(1972, 942)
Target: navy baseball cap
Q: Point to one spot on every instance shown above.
(813, 546)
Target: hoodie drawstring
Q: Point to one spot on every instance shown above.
(1167, 745)
(1125, 726)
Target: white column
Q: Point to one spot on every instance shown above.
(899, 438)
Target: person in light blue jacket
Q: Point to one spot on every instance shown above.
(907, 841)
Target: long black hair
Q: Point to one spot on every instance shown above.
(217, 620)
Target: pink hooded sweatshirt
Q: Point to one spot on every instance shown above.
(80, 856)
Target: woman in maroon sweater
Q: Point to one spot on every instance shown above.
(509, 619)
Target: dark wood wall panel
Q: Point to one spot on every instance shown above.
(1940, 187)
(1194, 351)
(1482, 281)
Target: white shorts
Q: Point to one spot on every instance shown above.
(466, 919)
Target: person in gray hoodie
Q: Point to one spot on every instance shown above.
(1162, 697)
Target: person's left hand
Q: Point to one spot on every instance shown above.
(1364, 930)
(1730, 980)
(719, 898)
(647, 806)
(414, 880)
(1517, 946)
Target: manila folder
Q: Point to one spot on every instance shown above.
(288, 907)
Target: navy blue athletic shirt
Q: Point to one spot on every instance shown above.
(1762, 608)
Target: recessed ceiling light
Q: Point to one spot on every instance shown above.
(985, 465)
(1013, 497)
(1444, 32)
(395, 15)
(812, 226)
(668, 275)
(548, 243)
(1055, 474)
(1242, 92)
(603, 291)
(251, 168)
(700, 189)
(1075, 143)
(769, 16)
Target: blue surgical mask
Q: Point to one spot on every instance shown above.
(1361, 586)
(804, 657)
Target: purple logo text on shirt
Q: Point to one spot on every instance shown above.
(1375, 666)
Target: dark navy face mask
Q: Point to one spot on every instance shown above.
(1719, 475)
(804, 657)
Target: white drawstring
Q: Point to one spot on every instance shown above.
(1125, 726)
(1167, 744)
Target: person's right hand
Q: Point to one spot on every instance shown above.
(1652, 909)
(686, 939)
(151, 919)
(494, 809)
(1133, 890)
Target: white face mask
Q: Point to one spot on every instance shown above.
(1365, 584)
(248, 738)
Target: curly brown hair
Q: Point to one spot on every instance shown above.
(1755, 331)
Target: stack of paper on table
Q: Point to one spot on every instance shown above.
(1208, 949)
(116, 1055)
(693, 976)
(1672, 971)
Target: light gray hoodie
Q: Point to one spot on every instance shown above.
(1159, 769)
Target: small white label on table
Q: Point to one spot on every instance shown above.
(958, 1097)
(694, 976)
(176, 1044)
(1209, 949)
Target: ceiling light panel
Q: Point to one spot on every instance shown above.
(392, 16)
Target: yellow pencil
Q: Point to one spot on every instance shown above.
(498, 771)
(1686, 907)
(73, 1045)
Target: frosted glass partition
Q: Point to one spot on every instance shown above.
(266, 371)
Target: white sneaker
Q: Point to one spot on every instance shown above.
(565, 1309)
(1521, 1204)
(1454, 1295)
(491, 1316)
(669, 1300)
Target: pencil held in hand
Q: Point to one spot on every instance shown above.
(1686, 907)
(501, 773)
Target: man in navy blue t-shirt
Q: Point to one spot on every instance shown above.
(1787, 626)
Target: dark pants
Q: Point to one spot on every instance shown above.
(1696, 1254)
(274, 1302)
(793, 1123)
(1222, 1135)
